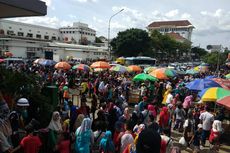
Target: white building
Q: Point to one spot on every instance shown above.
(183, 28)
(79, 33)
(32, 41)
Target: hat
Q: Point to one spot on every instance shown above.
(199, 126)
(23, 102)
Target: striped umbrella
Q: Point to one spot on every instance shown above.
(82, 67)
(134, 68)
(163, 73)
(213, 94)
(63, 66)
(119, 68)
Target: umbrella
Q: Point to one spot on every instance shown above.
(210, 77)
(200, 84)
(135, 68)
(2, 60)
(227, 76)
(119, 68)
(191, 71)
(82, 67)
(144, 77)
(224, 102)
(98, 69)
(149, 69)
(8, 54)
(163, 73)
(46, 62)
(213, 94)
(100, 64)
(37, 61)
(201, 68)
(63, 65)
(224, 83)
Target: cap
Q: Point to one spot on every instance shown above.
(200, 126)
(23, 102)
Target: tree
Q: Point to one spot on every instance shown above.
(198, 52)
(132, 42)
(212, 58)
(98, 40)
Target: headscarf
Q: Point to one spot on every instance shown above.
(55, 123)
(78, 121)
(216, 126)
(106, 142)
(152, 110)
(126, 113)
(85, 125)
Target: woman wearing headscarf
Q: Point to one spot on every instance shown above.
(84, 137)
(152, 110)
(55, 128)
(106, 143)
(78, 121)
(164, 119)
(126, 116)
(215, 134)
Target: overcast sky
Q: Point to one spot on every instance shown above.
(211, 18)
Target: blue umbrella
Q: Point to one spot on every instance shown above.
(201, 84)
(210, 77)
(47, 62)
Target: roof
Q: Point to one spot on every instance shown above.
(22, 8)
(176, 36)
(170, 23)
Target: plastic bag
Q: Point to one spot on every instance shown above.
(182, 141)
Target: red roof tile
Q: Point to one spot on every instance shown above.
(170, 23)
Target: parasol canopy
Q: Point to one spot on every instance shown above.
(119, 68)
(63, 66)
(192, 72)
(144, 77)
(213, 94)
(200, 84)
(224, 102)
(2, 60)
(149, 69)
(227, 76)
(100, 64)
(82, 67)
(8, 54)
(47, 62)
(224, 83)
(134, 68)
(163, 73)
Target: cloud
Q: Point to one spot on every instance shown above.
(52, 22)
(185, 16)
(172, 13)
(86, 1)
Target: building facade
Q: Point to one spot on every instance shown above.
(32, 41)
(79, 33)
(179, 29)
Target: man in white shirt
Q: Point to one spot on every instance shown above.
(206, 118)
(169, 98)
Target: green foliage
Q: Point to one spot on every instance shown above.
(131, 42)
(199, 52)
(212, 58)
(97, 40)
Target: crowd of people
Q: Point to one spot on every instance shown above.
(104, 122)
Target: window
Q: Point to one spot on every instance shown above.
(46, 37)
(10, 32)
(29, 35)
(20, 34)
(38, 36)
(67, 31)
(29, 30)
(10, 27)
(53, 38)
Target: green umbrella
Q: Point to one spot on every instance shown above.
(227, 76)
(144, 77)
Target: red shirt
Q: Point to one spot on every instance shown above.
(64, 146)
(31, 144)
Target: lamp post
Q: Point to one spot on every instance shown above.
(109, 31)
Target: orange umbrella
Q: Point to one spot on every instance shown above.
(134, 68)
(159, 73)
(224, 83)
(8, 54)
(63, 65)
(100, 64)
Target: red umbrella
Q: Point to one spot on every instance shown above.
(225, 102)
(224, 83)
(2, 60)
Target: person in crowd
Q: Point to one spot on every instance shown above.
(166, 142)
(152, 110)
(148, 141)
(127, 136)
(106, 143)
(98, 135)
(179, 117)
(188, 128)
(206, 119)
(196, 139)
(126, 116)
(30, 143)
(93, 105)
(63, 144)
(169, 97)
(145, 114)
(78, 121)
(84, 137)
(164, 120)
(215, 134)
(55, 128)
(84, 109)
(187, 103)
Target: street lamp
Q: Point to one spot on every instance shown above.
(109, 31)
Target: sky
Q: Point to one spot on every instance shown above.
(211, 18)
